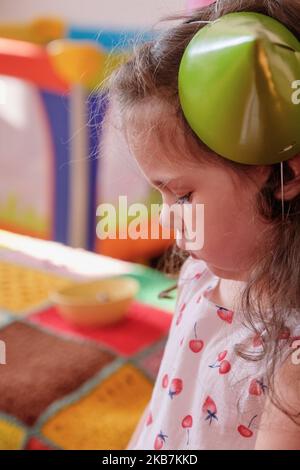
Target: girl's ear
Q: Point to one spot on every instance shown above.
(291, 188)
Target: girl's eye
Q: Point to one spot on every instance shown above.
(183, 199)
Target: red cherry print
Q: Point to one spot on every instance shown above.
(197, 275)
(176, 387)
(244, 430)
(187, 423)
(165, 381)
(149, 419)
(224, 367)
(196, 345)
(222, 355)
(179, 318)
(257, 387)
(210, 408)
(209, 404)
(254, 388)
(194, 277)
(160, 441)
(225, 314)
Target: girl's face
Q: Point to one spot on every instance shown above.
(233, 231)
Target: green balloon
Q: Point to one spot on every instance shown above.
(239, 82)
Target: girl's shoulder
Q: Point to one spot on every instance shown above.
(191, 266)
(193, 270)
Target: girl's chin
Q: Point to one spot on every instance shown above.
(193, 253)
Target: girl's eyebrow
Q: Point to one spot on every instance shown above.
(160, 184)
(163, 184)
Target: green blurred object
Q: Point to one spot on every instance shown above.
(236, 82)
(152, 282)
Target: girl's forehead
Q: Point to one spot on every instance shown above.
(155, 132)
(149, 118)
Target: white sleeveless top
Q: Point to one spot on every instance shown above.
(205, 396)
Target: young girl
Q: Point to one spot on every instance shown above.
(227, 379)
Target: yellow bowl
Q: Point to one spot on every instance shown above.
(96, 303)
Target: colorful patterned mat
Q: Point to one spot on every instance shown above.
(65, 387)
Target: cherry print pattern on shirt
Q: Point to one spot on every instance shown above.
(221, 363)
(165, 381)
(180, 421)
(176, 387)
(187, 423)
(225, 314)
(160, 441)
(245, 431)
(196, 345)
(257, 387)
(197, 276)
(209, 407)
(179, 318)
(149, 419)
